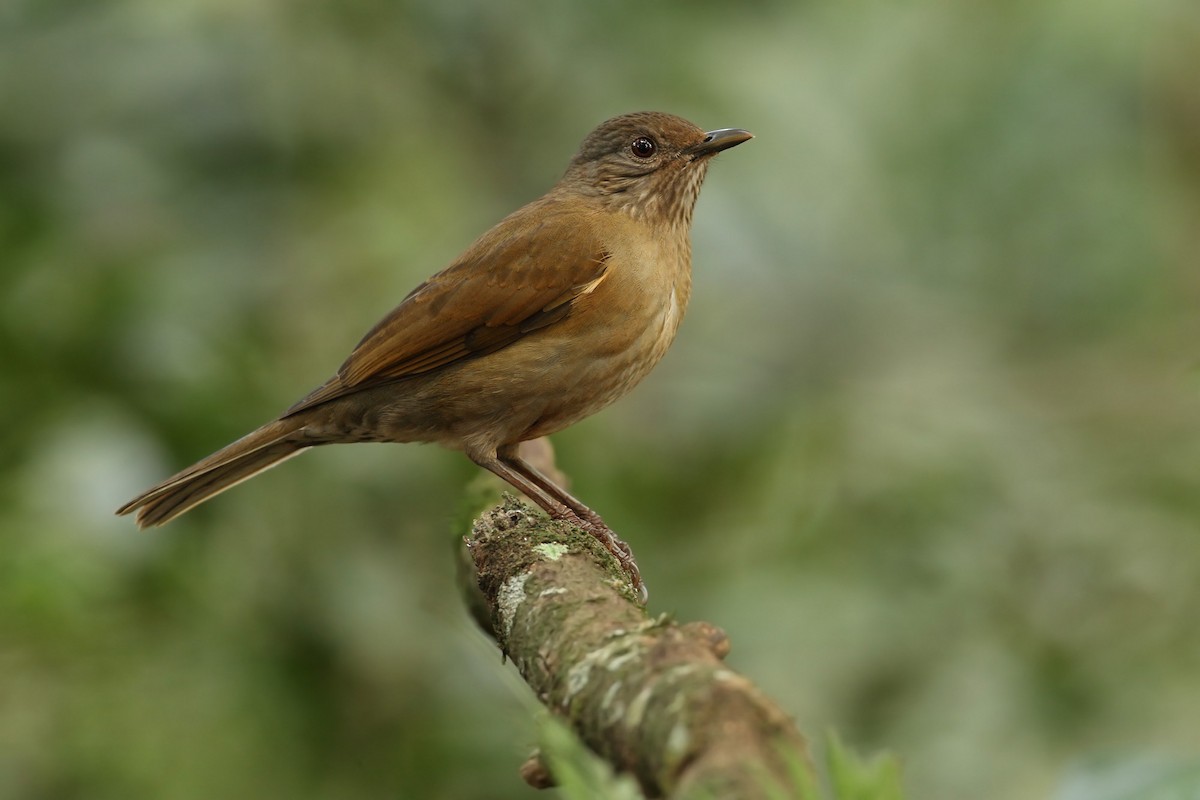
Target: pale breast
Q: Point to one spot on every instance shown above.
(621, 331)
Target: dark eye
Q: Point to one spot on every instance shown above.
(643, 147)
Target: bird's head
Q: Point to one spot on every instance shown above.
(648, 164)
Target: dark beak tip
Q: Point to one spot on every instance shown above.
(723, 139)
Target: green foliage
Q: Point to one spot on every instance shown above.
(579, 773)
(855, 778)
(926, 446)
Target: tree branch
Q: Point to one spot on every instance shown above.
(649, 695)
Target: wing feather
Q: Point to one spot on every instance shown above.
(523, 275)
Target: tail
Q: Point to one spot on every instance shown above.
(229, 466)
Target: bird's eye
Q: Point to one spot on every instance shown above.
(643, 147)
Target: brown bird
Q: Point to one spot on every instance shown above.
(551, 315)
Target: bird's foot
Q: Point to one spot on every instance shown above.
(613, 544)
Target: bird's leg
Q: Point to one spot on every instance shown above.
(588, 519)
(512, 457)
(560, 504)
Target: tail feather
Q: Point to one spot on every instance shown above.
(259, 450)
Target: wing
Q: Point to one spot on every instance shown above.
(524, 274)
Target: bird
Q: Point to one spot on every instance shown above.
(554, 313)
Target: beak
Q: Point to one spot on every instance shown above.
(716, 141)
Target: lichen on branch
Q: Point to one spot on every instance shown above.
(649, 695)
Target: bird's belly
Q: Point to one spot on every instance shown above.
(601, 370)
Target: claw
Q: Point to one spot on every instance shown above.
(619, 550)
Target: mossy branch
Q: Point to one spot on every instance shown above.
(649, 695)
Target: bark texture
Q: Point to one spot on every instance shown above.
(649, 695)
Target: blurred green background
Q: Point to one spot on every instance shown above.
(927, 446)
